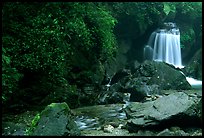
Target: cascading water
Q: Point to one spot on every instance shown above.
(164, 46)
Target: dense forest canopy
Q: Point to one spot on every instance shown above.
(50, 47)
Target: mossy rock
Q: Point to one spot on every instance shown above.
(54, 120)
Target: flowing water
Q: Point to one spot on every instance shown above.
(164, 46)
(94, 117)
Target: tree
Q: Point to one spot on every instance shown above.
(45, 41)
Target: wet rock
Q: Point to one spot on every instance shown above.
(119, 75)
(197, 133)
(13, 129)
(194, 67)
(116, 87)
(108, 128)
(55, 120)
(139, 93)
(175, 109)
(162, 74)
(133, 65)
(139, 89)
(110, 97)
(168, 132)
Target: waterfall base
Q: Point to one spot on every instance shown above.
(196, 84)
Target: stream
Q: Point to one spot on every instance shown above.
(96, 120)
(94, 117)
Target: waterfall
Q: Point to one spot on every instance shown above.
(165, 43)
(164, 46)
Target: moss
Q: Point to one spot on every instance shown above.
(33, 124)
(53, 107)
(60, 105)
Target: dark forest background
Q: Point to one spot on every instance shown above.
(50, 50)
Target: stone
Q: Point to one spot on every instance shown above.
(108, 128)
(55, 120)
(140, 93)
(162, 74)
(194, 66)
(167, 132)
(175, 109)
(110, 97)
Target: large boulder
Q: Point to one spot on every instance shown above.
(148, 78)
(162, 74)
(139, 94)
(176, 109)
(54, 120)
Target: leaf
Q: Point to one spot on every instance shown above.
(6, 59)
(167, 8)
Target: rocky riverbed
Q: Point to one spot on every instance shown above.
(120, 119)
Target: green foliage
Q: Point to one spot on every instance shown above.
(35, 120)
(190, 9)
(10, 76)
(137, 16)
(33, 124)
(193, 9)
(47, 42)
(188, 18)
(169, 7)
(50, 40)
(187, 37)
(188, 12)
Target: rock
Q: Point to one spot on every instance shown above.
(162, 74)
(141, 92)
(139, 89)
(194, 67)
(199, 109)
(167, 132)
(110, 97)
(121, 126)
(197, 133)
(13, 129)
(112, 66)
(133, 65)
(116, 87)
(138, 94)
(55, 120)
(119, 75)
(108, 128)
(174, 109)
